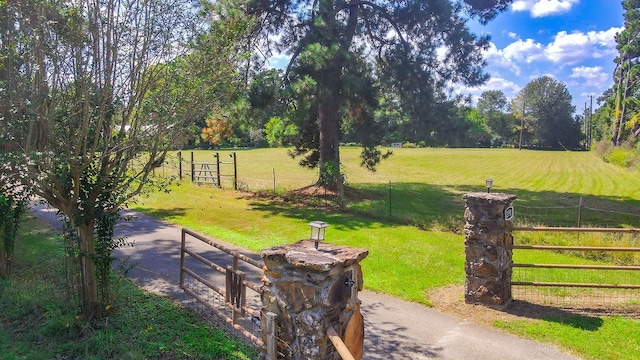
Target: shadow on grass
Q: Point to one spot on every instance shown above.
(165, 214)
(529, 310)
(442, 207)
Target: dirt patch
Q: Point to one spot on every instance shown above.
(450, 300)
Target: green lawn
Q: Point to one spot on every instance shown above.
(427, 186)
(408, 214)
(39, 315)
(424, 187)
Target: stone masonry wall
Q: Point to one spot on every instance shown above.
(309, 289)
(487, 249)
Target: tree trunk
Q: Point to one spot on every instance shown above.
(622, 93)
(328, 119)
(3, 263)
(89, 288)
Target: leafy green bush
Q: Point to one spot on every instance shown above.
(620, 157)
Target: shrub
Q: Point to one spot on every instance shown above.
(620, 157)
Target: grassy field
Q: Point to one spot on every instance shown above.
(424, 187)
(408, 214)
(38, 319)
(427, 186)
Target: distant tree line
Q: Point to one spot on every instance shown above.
(540, 116)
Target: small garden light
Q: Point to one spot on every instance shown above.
(488, 184)
(317, 231)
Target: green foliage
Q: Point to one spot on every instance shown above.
(626, 155)
(39, 320)
(335, 84)
(15, 192)
(329, 174)
(278, 131)
(90, 121)
(492, 106)
(548, 112)
(623, 98)
(620, 157)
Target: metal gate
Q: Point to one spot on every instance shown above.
(205, 265)
(614, 278)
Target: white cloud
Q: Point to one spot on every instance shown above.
(572, 48)
(527, 50)
(497, 58)
(519, 51)
(509, 88)
(498, 83)
(541, 8)
(594, 76)
(569, 48)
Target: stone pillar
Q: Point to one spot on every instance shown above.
(309, 290)
(487, 244)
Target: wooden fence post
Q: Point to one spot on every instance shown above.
(235, 172)
(271, 336)
(180, 164)
(217, 156)
(193, 169)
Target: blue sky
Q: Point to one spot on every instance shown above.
(570, 40)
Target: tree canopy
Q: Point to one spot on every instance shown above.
(626, 115)
(345, 53)
(548, 122)
(89, 98)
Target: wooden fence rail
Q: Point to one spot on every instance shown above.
(576, 248)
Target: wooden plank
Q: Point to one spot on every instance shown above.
(354, 335)
(339, 344)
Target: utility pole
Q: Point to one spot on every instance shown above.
(584, 126)
(590, 122)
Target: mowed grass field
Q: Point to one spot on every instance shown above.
(422, 187)
(409, 213)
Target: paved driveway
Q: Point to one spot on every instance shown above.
(394, 329)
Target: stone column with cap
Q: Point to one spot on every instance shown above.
(309, 290)
(487, 243)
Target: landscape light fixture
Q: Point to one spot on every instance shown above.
(317, 231)
(488, 184)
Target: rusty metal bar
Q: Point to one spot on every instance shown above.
(225, 249)
(575, 248)
(206, 282)
(235, 295)
(220, 292)
(585, 285)
(206, 261)
(565, 266)
(574, 229)
(252, 286)
(339, 344)
(227, 319)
